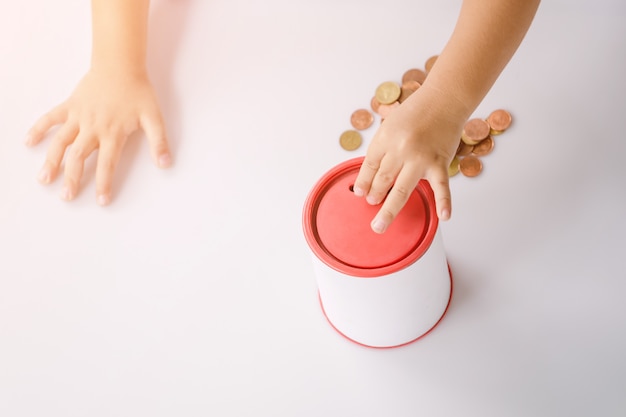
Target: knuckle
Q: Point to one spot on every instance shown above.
(52, 164)
(106, 165)
(123, 131)
(64, 137)
(440, 185)
(103, 186)
(57, 151)
(44, 121)
(385, 177)
(160, 147)
(361, 183)
(388, 213)
(378, 194)
(78, 151)
(443, 182)
(38, 129)
(370, 164)
(401, 192)
(61, 141)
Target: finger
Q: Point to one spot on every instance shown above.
(154, 127)
(397, 198)
(367, 172)
(82, 147)
(383, 180)
(440, 183)
(108, 157)
(61, 140)
(54, 117)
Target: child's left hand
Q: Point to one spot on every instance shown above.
(104, 109)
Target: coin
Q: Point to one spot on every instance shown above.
(385, 109)
(470, 166)
(414, 75)
(484, 147)
(408, 88)
(464, 149)
(453, 168)
(374, 104)
(388, 92)
(474, 131)
(350, 140)
(361, 119)
(499, 121)
(430, 62)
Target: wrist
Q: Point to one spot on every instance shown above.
(112, 71)
(117, 67)
(119, 36)
(438, 104)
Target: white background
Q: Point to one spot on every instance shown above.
(193, 294)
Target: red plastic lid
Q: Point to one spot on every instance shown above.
(337, 226)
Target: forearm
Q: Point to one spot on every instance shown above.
(120, 31)
(487, 34)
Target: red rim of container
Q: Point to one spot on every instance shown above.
(321, 252)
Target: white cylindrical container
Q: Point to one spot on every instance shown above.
(379, 290)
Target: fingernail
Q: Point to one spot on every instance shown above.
(371, 200)
(29, 140)
(44, 176)
(66, 193)
(104, 199)
(358, 192)
(378, 226)
(165, 160)
(445, 214)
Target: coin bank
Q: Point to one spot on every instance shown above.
(378, 290)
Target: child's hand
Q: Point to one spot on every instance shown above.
(417, 140)
(105, 108)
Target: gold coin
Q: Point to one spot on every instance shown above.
(499, 121)
(470, 166)
(453, 169)
(375, 104)
(464, 149)
(350, 140)
(388, 92)
(361, 119)
(408, 88)
(430, 62)
(474, 131)
(414, 74)
(484, 147)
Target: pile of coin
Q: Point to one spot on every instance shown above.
(476, 140)
(387, 97)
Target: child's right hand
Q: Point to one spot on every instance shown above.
(417, 140)
(103, 111)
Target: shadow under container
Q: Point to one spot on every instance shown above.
(378, 290)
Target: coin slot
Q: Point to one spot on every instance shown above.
(351, 188)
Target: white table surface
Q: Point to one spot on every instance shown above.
(193, 294)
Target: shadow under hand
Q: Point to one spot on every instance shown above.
(166, 29)
(167, 22)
